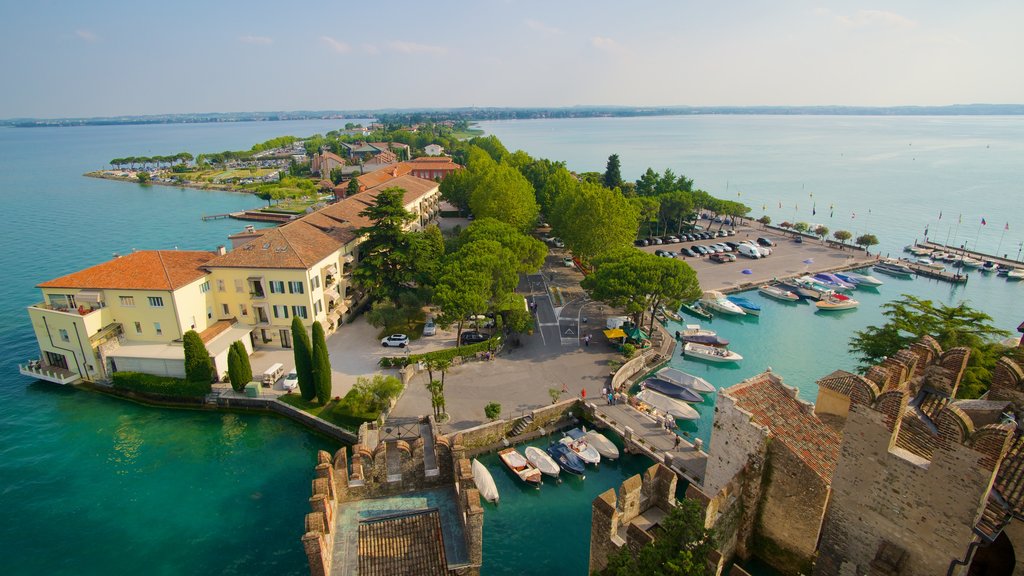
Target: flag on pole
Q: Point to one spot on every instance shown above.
(983, 222)
(1007, 227)
(940, 214)
(814, 209)
(853, 215)
(960, 219)
(780, 205)
(925, 231)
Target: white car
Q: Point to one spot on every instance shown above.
(395, 340)
(291, 381)
(430, 328)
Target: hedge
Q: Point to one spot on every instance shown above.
(446, 354)
(163, 385)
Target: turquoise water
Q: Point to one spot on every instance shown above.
(90, 485)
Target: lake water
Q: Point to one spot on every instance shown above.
(91, 485)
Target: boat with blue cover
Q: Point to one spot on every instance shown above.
(859, 279)
(745, 305)
(669, 389)
(833, 281)
(567, 459)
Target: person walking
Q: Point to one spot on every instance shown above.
(677, 441)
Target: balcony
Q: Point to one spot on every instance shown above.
(83, 309)
(35, 369)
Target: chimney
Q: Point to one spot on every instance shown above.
(394, 172)
(221, 250)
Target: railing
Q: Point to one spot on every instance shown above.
(49, 373)
(81, 310)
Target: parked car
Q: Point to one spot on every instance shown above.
(640, 242)
(799, 239)
(480, 321)
(430, 328)
(395, 341)
(765, 242)
(732, 245)
(699, 249)
(725, 247)
(731, 232)
(722, 258)
(688, 252)
(291, 381)
(748, 251)
(721, 234)
(473, 337)
(656, 241)
(558, 243)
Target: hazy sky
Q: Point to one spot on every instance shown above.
(99, 57)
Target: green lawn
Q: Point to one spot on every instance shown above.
(335, 412)
(467, 134)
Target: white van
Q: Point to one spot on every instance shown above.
(748, 251)
(272, 374)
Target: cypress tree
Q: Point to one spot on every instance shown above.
(235, 369)
(321, 364)
(243, 360)
(303, 359)
(198, 367)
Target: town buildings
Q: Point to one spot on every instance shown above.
(130, 313)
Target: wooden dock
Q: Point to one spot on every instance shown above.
(253, 215)
(972, 254)
(922, 270)
(216, 217)
(642, 434)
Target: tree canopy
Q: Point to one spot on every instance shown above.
(613, 172)
(680, 549)
(198, 367)
(385, 267)
(504, 194)
(592, 219)
(321, 364)
(302, 351)
(528, 251)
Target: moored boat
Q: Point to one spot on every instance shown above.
(605, 447)
(837, 302)
(746, 305)
(694, 333)
(671, 315)
(893, 268)
(695, 383)
(1015, 274)
(811, 288)
(670, 389)
(484, 482)
(542, 461)
(585, 451)
(675, 408)
(567, 459)
(520, 466)
(859, 279)
(929, 263)
(833, 281)
(710, 353)
(716, 301)
(968, 262)
(778, 293)
(695, 309)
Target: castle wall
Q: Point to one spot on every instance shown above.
(831, 402)
(734, 440)
(896, 509)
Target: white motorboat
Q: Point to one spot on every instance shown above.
(837, 302)
(860, 279)
(929, 263)
(585, 451)
(968, 262)
(894, 268)
(710, 353)
(674, 408)
(778, 293)
(678, 377)
(484, 482)
(539, 458)
(1016, 274)
(716, 301)
(605, 447)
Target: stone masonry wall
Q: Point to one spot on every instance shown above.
(734, 440)
(888, 500)
(479, 438)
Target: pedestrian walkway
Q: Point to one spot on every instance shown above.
(642, 433)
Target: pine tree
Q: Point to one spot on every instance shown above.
(303, 359)
(321, 364)
(198, 367)
(613, 172)
(243, 360)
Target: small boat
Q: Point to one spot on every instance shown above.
(585, 451)
(778, 293)
(746, 305)
(833, 281)
(947, 257)
(675, 408)
(695, 383)
(893, 268)
(669, 389)
(811, 288)
(695, 309)
(520, 466)
(710, 353)
(671, 315)
(484, 482)
(939, 256)
(837, 302)
(716, 301)
(567, 459)
(598, 442)
(694, 333)
(542, 461)
(988, 267)
(929, 263)
(1016, 274)
(968, 262)
(859, 279)
(1003, 270)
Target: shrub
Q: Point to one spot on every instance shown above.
(446, 354)
(198, 367)
(628, 350)
(492, 410)
(160, 385)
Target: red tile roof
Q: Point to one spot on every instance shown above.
(791, 422)
(142, 270)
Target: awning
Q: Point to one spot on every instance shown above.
(635, 333)
(256, 278)
(89, 296)
(332, 293)
(614, 333)
(332, 270)
(348, 258)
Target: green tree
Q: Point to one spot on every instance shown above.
(558, 183)
(504, 194)
(384, 268)
(437, 401)
(681, 548)
(866, 241)
(426, 251)
(675, 208)
(649, 207)
(353, 187)
(337, 175)
(555, 394)
(821, 231)
(321, 362)
(647, 185)
(303, 353)
(239, 369)
(374, 394)
(528, 251)
(801, 227)
(143, 177)
(492, 410)
(461, 290)
(592, 219)
(613, 172)
(910, 318)
(490, 144)
(198, 367)
(842, 235)
(637, 281)
(765, 220)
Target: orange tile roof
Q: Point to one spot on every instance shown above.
(383, 175)
(791, 422)
(142, 270)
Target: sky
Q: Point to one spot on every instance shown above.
(104, 57)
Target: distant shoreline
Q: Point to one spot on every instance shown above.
(414, 115)
(204, 188)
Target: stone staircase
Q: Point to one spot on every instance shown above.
(521, 425)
